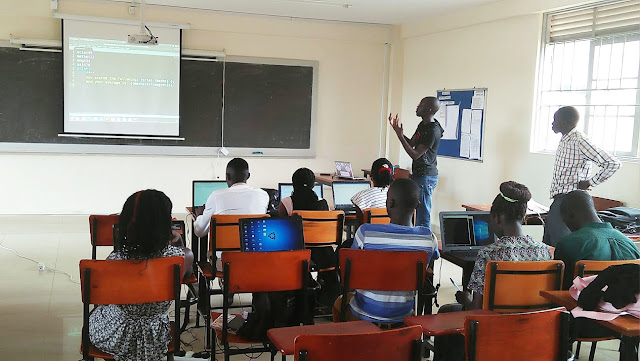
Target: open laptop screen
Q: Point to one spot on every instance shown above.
(271, 234)
(286, 189)
(343, 191)
(465, 230)
(343, 169)
(201, 190)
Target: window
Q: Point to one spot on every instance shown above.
(590, 59)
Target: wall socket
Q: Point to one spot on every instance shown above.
(41, 267)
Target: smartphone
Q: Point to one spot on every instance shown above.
(455, 284)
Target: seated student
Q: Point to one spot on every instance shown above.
(507, 214)
(139, 331)
(376, 196)
(591, 239)
(399, 235)
(239, 198)
(303, 197)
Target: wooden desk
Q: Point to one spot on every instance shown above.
(328, 180)
(443, 323)
(283, 338)
(627, 326)
(531, 219)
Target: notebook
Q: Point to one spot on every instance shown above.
(344, 191)
(344, 170)
(202, 189)
(271, 234)
(286, 189)
(465, 233)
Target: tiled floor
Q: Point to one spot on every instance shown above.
(41, 312)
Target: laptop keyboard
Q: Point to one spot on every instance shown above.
(465, 254)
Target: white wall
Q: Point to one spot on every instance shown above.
(500, 55)
(351, 63)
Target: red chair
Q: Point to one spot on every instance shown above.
(101, 231)
(110, 282)
(247, 272)
(382, 271)
(375, 215)
(541, 335)
(403, 344)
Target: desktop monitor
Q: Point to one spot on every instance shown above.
(286, 189)
(343, 191)
(271, 234)
(465, 230)
(202, 189)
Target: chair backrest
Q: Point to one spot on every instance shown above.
(375, 216)
(265, 271)
(224, 231)
(114, 282)
(101, 230)
(587, 268)
(382, 270)
(402, 344)
(604, 203)
(541, 335)
(322, 228)
(401, 173)
(515, 286)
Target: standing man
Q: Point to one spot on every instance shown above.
(571, 170)
(423, 149)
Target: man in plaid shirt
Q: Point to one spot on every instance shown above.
(571, 170)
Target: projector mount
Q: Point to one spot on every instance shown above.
(145, 36)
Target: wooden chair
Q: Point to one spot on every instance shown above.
(403, 344)
(401, 173)
(587, 268)
(514, 286)
(224, 236)
(246, 272)
(541, 335)
(101, 231)
(322, 228)
(602, 204)
(382, 271)
(110, 282)
(375, 216)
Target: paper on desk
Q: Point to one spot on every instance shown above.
(451, 123)
(474, 146)
(465, 142)
(477, 102)
(476, 122)
(466, 121)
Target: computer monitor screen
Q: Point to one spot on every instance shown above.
(286, 189)
(343, 191)
(203, 189)
(465, 230)
(271, 234)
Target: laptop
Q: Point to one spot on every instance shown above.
(202, 189)
(271, 234)
(465, 233)
(286, 189)
(344, 170)
(342, 193)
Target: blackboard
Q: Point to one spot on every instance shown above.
(266, 106)
(464, 101)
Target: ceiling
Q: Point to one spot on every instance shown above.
(365, 11)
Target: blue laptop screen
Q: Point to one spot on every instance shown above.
(203, 189)
(286, 189)
(271, 234)
(465, 229)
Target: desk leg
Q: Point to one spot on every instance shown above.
(629, 348)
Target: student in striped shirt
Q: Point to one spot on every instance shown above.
(376, 196)
(383, 306)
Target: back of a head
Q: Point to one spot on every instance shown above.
(382, 172)
(238, 170)
(511, 202)
(145, 224)
(568, 114)
(405, 194)
(303, 196)
(576, 208)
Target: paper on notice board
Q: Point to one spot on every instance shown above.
(476, 122)
(465, 144)
(451, 123)
(441, 115)
(477, 102)
(466, 121)
(474, 146)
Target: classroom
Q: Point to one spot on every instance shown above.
(373, 58)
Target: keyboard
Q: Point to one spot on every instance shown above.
(466, 255)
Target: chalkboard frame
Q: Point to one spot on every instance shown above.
(10, 147)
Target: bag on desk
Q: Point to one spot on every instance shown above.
(624, 219)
